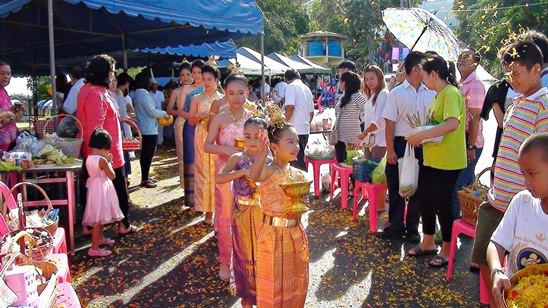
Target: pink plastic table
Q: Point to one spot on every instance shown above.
(55, 174)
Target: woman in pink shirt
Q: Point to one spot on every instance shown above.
(9, 114)
(95, 108)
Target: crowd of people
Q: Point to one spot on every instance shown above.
(226, 144)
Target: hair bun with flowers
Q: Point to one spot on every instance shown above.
(212, 61)
(235, 69)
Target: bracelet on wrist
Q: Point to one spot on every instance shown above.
(496, 271)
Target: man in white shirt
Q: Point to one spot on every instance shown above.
(299, 110)
(77, 78)
(409, 98)
(158, 97)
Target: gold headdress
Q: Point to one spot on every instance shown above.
(258, 112)
(235, 69)
(275, 116)
(184, 60)
(212, 61)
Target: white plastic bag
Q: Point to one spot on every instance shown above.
(409, 172)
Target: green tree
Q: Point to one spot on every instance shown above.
(489, 25)
(40, 88)
(284, 22)
(360, 20)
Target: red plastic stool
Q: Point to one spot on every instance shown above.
(316, 163)
(373, 191)
(66, 296)
(61, 261)
(59, 241)
(461, 227)
(344, 171)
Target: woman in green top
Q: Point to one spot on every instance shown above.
(442, 161)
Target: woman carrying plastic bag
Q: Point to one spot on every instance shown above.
(442, 161)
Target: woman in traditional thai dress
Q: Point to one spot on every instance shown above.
(225, 129)
(204, 167)
(183, 105)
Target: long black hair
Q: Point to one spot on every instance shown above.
(352, 84)
(439, 65)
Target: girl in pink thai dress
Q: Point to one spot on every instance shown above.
(102, 206)
(225, 129)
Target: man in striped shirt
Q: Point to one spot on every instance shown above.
(522, 61)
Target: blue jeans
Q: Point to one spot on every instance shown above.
(466, 177)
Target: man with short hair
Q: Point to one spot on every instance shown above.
(409, 98)
(77, 79)
(473, 91)
(158, 98)
(299, 110)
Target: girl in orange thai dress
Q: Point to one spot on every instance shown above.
(225, 128)
(282, 246)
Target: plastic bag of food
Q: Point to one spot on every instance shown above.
(409, 172)
(379, 176)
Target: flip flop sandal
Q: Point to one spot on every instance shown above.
(99, 253)
(130, 230)
(106, 241)
(438, 261)
(417, 252)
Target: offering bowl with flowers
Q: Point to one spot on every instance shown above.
(297, 190)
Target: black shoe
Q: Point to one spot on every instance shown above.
(413, 237)
(390, 234)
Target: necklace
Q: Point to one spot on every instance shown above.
(209, 97)
(233, 117)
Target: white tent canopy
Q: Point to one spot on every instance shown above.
(318, 68)
(250, 63)
(299, 66)
(249, 66)
(274, 67)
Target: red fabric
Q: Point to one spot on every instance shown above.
(96, 109)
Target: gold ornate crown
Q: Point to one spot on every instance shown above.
(274, 116)
(184, 60)
(212, 61)
(258, 112)
(235, 69)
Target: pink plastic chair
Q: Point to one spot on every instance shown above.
(316, 163)
(344, 171)
(461, 227)
(368, 191)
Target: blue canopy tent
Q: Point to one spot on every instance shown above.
(87, 27)
(32, 28)
(225, 50)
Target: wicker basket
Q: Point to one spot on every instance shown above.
(48, 285)
(471, 197)
(40, 126)
(133, 144)
(28, 245)
(69, 146)
(51, 228)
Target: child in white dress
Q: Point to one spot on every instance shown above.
(102, 202)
